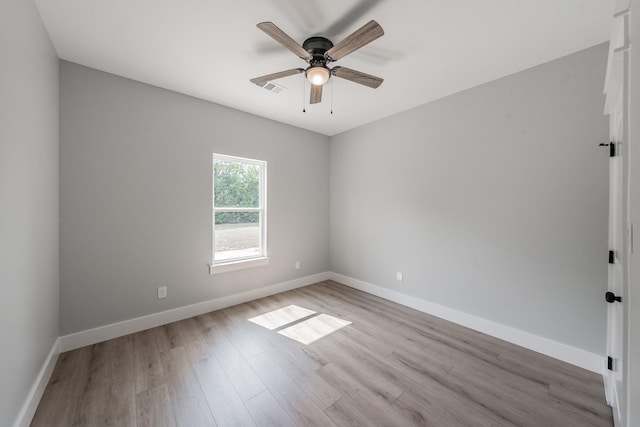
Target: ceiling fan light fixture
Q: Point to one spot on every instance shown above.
(318, 75)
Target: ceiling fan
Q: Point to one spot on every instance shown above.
(318, 52)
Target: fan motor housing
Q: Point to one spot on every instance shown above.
(317, 46)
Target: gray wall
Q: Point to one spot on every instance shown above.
(28, 202)
(135, 198)
(492, 201)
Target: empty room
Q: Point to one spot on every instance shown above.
(319, 213)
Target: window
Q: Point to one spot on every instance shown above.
(239, 213)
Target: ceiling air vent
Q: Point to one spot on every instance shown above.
(273, 87)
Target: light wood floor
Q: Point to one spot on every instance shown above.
(392, 366)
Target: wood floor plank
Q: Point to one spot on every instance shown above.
(424, 373)
(245, 381)
(121, 409)
(376, 346)
(223, 399)
(430, 398)
(245, 344)
(512, 392)
(552, 371)
(154, 408)
(294, 401)
(198, 349)
(596, 406)
(346, 413)
(62, 396)
(434, 392)
(376, 408)
(433, 410)
(392, 366)
(526, 406)
(267, 412)
(303, 374)
(55, 405)
(167, 337)
(187, 399)
(148, 364)
(108, 395)
(379, 379)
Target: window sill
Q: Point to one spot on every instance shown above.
(238, 265)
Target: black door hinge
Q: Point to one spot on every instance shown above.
(612, 148)
(610, 363)
(612, 257)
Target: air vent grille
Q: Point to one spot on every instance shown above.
(273, 87)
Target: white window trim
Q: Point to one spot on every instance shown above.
(237, 265)
(248, 262)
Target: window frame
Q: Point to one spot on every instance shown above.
(237, 263)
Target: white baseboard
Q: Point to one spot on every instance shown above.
(37, 389)
(575, 356)
(114, 330)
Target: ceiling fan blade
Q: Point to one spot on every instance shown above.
(357, 76)
(316, 94)
(283, 38)
(366, 34)
(354, 14)
(260, 81)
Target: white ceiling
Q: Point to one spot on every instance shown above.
(211, 48)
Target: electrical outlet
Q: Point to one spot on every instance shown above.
(162, 292)
(399, 276)
(297, 265)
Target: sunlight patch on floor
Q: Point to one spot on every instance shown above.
(281, 317)
(313, 329)
(299, 323)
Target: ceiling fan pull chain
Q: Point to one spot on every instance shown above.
(331, 96)
(304, 89)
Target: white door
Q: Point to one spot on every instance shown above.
(617, 90)
(616, 281)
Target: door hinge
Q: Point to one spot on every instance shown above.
(612, 257)
(610, 363)
(612, 148)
